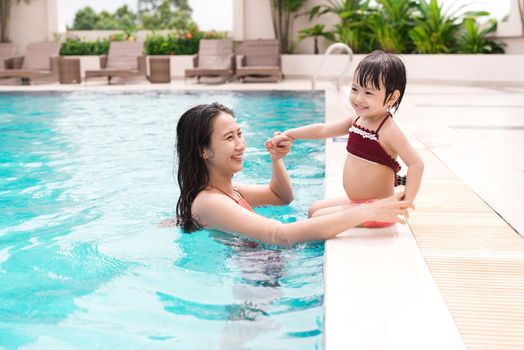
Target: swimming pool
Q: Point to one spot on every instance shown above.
(85, 178)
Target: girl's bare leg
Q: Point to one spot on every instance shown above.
(328, 205)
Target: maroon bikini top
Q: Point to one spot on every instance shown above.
(241, 201)
(363, 143)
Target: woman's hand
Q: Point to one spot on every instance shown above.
(278, 147)
(391, 209)
(279, 137)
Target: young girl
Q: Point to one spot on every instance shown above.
(210, 149)
(375, 140)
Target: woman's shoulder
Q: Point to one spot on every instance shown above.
(203, 198)
(205, 205)
(218, 211)
(208, 200)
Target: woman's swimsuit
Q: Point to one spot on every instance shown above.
(241, 201)
(363, 143)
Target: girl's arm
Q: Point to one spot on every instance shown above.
(321, 130)
(400, 145)
(315, 131)
(219, 212)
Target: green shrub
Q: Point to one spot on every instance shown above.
(435, 30)
(405, 26)
(474, 40)
(76, 47)
(389, 23)
(177, 42)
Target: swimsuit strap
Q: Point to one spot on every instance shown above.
(241, 201)
(238, 192)
(227, 194)
(383, 121)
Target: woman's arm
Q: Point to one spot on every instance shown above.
(219, 212)
(279, 190)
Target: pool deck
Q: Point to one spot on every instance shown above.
(454, 277)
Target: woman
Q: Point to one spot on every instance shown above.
(210, 151)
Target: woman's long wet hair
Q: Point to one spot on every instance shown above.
(193, 135)
(380, 67)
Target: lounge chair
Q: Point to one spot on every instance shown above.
(125, 60)
(215, 58)
(259, 60)
(7, 52)
(39, 62)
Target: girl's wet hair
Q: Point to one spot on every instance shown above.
(193, 135)
(380, 67)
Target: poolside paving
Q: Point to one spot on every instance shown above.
(469, 223)
(468, 211)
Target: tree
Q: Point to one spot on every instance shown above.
(107, 21)
(85, 19)
(126, 18)
(88, 19)
(283, 13)
(151, 5)
(166, 14)
(5, 10)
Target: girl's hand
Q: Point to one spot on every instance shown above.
(391, 209)
(278, 138)
(280, 149)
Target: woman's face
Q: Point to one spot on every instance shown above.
(226, 152)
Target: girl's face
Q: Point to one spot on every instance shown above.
(368, 102)
(226, 152)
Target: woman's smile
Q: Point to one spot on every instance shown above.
(238, 157)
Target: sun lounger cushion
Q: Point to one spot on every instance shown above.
(37, 55)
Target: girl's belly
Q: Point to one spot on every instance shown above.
(363, 179)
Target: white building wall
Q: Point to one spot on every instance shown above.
(34, 22)
(28, 23)
(257, 20)
(238, 20)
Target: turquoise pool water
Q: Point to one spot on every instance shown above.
(86, 177)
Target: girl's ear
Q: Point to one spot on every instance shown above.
(393, 98)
